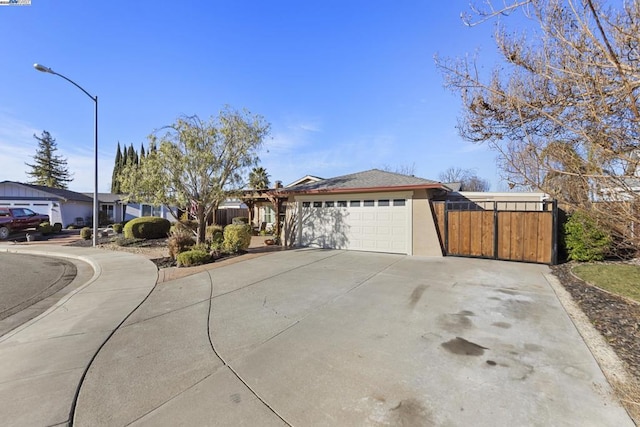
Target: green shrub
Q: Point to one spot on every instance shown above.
(85, 233)
(238, 220)
(585, 240)
(117, 227)
(179, 242)
(147, 227)
(192, 257)
(214, 234)
(236, 238)
(45, 228)
(57, 227)
(200, 247)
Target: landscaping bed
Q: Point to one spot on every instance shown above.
(616, 318)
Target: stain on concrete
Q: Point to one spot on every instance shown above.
(416, 295)
(236, 398)
(491, 363)
(532, 347)
(463, 347)
(520, 371)
(508, 291)
(518, 309)
(576, 373)
(410, 412)
(455, 323)
(503, 325)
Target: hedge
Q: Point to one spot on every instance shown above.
(147, 227)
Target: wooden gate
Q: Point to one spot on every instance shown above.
(512, 231)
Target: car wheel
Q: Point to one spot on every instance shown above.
(4, 233)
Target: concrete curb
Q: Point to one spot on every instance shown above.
(45, 360)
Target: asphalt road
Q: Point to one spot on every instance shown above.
(25, 280)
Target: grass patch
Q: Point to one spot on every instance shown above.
(621, 279)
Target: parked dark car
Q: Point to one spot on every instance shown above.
(13, 219)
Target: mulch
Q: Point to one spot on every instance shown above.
(617, 319)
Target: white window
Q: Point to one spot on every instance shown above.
(269, 214)
(148, 210)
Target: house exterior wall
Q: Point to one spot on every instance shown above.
(425, 236)
(135, 210)
(72, 210)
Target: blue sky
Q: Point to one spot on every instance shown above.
(346, 85)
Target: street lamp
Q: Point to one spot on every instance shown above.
(44, 69)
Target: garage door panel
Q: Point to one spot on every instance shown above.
(371, 228)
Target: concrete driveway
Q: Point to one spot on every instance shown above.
(317, 337)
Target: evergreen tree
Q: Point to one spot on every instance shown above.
(142, 154)
(132, 155)
(117, 168)
(48, 168)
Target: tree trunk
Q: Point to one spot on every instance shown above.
(202, 224)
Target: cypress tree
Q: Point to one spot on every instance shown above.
(117, 168)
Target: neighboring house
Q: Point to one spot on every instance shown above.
(514, 201)
(623, 189)
(372, 210)
(72, 208)
(63, 206)
(117, 210)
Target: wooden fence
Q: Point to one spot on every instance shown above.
(225, 216)
(498, 230)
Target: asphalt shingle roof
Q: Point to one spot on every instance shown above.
(371, 179)
(64, 194)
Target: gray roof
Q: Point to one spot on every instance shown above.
(373, 179)
(59, 192)
(106, 197)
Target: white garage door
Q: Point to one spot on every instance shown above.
(377, 224)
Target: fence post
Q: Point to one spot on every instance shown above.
(555, 231)
(446, 227)
(495, 230)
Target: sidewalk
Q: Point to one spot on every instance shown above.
(44, 360)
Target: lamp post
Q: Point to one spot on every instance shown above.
(44, 69)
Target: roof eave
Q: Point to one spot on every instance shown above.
(437, 186)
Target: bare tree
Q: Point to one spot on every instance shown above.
(562, 111)
(401, 169)
(466, 177)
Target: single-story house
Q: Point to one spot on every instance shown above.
(373, 210)
(72, 208)
(117, 210)
(63, 206)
